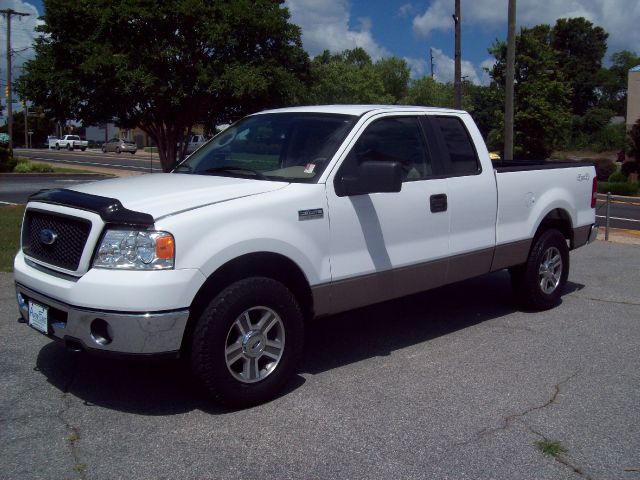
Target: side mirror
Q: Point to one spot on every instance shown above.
(371, 177)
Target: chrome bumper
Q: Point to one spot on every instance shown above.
(593, 233)
(108, 332)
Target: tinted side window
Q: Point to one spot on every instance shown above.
(464, 160)
(393, 139)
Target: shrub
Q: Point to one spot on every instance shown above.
(604, 168)
(7, 162)
(618, 177)
(630, 167)
(25, 166)
(618, 188)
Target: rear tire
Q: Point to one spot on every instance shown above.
(247, 342)
(69, 147)
(118, 150)
(538, 283)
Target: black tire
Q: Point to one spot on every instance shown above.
(57, 146)
(104, 149)
(118, 150)
(212, 343)
(83, 148)
(133, 153)
(538, 284)
(69, 147)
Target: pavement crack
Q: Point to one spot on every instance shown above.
(618, 302)
(508, 420)
(74, 432)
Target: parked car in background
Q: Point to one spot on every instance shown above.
(70, 142)
(119, 145)
(195, 142)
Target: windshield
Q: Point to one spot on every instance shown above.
(292, 147)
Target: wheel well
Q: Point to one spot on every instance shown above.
(261, 264)
(557, 219)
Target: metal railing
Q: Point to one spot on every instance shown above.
(607, 216)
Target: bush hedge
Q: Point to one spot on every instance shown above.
(618, 177)
(617, 188)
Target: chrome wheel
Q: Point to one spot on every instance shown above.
(255, 344)
(550, 270)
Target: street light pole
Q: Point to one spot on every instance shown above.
(8, 13)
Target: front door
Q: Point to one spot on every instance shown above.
(386, 245)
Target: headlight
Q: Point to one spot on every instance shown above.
(130, 249)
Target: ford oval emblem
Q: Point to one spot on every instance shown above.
(48, 237)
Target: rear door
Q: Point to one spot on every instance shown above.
(471, 195)
(385, 245)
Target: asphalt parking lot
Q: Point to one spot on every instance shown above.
(453, 383)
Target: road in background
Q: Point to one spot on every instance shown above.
(624, 212)
(16, 188)
(140, 162)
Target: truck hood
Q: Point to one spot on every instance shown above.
(162, 194)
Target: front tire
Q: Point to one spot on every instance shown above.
(247, 342)
(538, 284)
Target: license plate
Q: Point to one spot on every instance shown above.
(39, 317)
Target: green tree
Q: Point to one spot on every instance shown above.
(429, 92)
(347, 77)
(580, 47)
(395, 74)
(612, 81)
(165, 65)
(542, 97)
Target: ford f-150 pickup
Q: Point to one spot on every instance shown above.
(70, 142)
(285, 216)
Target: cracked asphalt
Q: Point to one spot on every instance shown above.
(451, 384)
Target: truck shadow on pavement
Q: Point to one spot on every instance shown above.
(165, 388)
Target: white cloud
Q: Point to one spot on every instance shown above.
(406, 10)
(444, 68)
(486, 67)
(325, 25)
(418, 67)
(618, 17)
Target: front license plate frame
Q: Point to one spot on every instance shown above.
(39, 317)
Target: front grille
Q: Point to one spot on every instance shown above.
(70, 237)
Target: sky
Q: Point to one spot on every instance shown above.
(405, 29)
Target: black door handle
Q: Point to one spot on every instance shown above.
(438, 203)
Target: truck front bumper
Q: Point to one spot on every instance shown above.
(106, 332)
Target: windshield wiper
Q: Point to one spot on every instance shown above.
(230, 168)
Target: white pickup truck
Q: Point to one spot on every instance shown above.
(70, 142)
(287, 215)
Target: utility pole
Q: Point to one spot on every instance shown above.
(431, 57)
(508, 82)
(26, 123)
(457, 82)
(8, 13)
